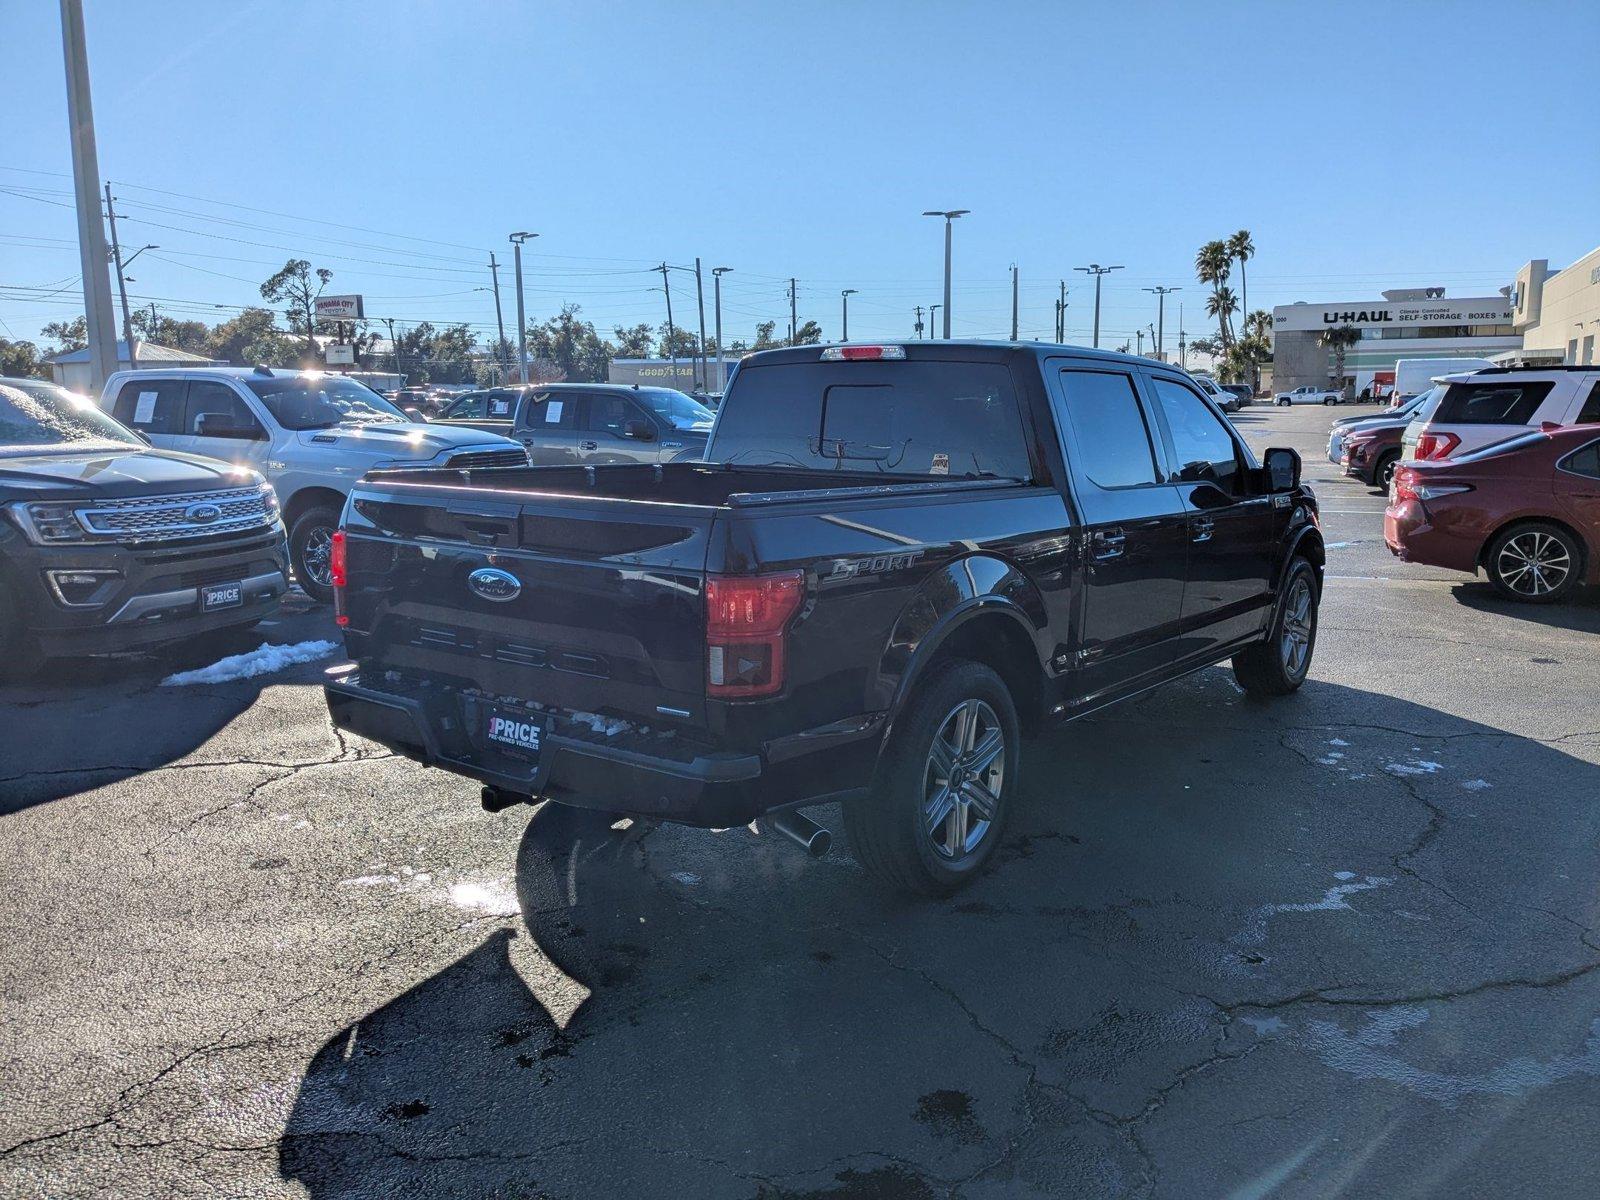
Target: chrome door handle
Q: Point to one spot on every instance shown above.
(588, 445)
(1109, 544)
(1204, 527)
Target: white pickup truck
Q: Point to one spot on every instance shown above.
(1309, 395)
(312, 434)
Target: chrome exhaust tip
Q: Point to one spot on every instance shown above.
(802, 831)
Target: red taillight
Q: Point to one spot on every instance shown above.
(746, 620)
(1405, 484)
(337, 576)
(1434, 446)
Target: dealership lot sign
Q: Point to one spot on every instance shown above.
(340, 308)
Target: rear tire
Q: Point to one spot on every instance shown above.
(1279, 665)
(310, 546)
(944, 789)
(1534, 562)
(1383, 472)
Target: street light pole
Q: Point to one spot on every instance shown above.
(522, 318)
(101, 322)
(933, 309)
(716, 286)
(700, 299)
(844, 298)
(1097, 271)
(1013, 302)
(672, 348)
(949, 217)
(1161, 317)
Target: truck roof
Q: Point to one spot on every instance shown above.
(938, 348)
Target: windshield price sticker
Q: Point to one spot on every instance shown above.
(941, 465)
(144, 411)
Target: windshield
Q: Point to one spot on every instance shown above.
(676, 409)
(904, 418)
(52, 416)
(323, 401)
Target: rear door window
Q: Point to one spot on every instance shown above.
(1110, 438)
(1585, 462)
(468, 408)
(897, 417)
(551, 412)
(152, 406)
(221, 404)
(1496, 403)
(501, 406)
(1590, 413)
(609, 414)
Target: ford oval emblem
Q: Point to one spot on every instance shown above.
(201, 514)
(493, 584)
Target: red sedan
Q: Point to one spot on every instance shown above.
(1526, 510)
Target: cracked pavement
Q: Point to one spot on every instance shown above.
(1341, 945)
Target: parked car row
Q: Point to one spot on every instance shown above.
(1494, 470)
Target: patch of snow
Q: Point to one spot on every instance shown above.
(301, 824)
(369, 881)
(1416, 766)
(1333, 900)
(266, 659)
(1343, 875)
(1476, 785)
(1337, 742)
(687, 878)
(494, 899)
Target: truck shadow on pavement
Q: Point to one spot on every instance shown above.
(1579, 612)
(1298, 927)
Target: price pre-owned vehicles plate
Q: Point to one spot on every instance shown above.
(216, 596)
(514, 730)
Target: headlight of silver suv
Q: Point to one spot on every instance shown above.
(48, 524)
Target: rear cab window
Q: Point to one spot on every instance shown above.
(898, 417)
(152, 406)
(1502, 402)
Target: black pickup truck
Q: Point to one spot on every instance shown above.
(894, 564)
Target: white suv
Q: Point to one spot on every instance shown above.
(311, 434)
(1481, 407)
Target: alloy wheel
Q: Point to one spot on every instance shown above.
(1294, 642)
(963, 780)
(1533, 563)
(317, 556)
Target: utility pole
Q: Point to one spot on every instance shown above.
(1097, 271)
(932, 310)
(918, 325)
(794, 323)
(98, 316)
(716, 286)
(499, 321)
(1061, 315)
(672, 349)
(522, 319)
(394, 344)
(1013, 302)
(1139, 333)
(700, 297)
(1161, 314)
(1183, 346)
(122, 284)
(844, 323)
(949, 219)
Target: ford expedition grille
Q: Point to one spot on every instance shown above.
(191, 515)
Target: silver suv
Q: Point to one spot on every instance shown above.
(1477, 409)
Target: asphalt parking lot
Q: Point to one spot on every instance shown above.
(1341, 945)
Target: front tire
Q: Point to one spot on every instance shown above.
(311, 551)
(1279, 665)
(943, 791)
(1534, 562)
(1283, 403)
(1383, 473)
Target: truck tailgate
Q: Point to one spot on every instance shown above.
(589, 604)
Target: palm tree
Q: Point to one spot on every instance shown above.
(1258, 324)
(1339, 339)
(1242, 248)
(1222, 304)
(1212, 263)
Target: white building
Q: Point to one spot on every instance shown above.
(71, 368)
(1405, 323)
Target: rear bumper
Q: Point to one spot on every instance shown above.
(716, 789)
(1412, 537)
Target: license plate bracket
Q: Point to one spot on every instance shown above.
(516, 732)
(214, 597)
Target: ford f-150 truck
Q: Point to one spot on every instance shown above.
(894, 564)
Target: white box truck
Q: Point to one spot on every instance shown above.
(1412, 375)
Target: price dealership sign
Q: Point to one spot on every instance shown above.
(340, 308)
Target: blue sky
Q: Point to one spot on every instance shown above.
(1364, 145)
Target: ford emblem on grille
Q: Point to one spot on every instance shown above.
(201, 514)
(495, 585)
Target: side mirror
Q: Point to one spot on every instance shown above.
(220, 425)
(1282, 467)
(639, 430)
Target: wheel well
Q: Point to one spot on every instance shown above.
(307, 498)
(1583, 546)
(1311, 548)
(1000, 644)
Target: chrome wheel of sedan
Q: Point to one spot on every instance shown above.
(1534, 564)
(1294, 640)
(962, 781)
